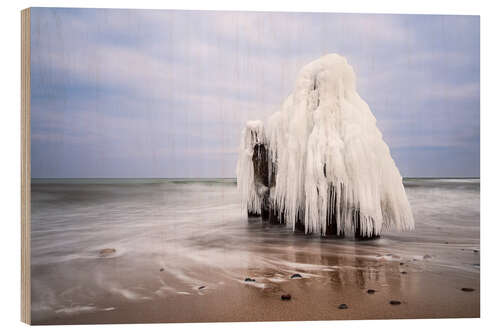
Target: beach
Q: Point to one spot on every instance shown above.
(157, 250)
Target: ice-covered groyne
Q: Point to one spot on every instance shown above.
(320, 163)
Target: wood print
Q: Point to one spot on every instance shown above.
(214, 166)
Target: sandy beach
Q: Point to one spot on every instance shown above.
(424, 292)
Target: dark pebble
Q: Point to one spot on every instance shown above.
(427, 256)
(401, 264)
(403, 272)
(394, 302)
(202, 287)
(249, 280)
(476, 251)
(286, 297)
(162, 269)
(446, 242)
(343, 306)
(370, 291)
(295, 276)
(467, 289)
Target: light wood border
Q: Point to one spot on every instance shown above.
(25, 167)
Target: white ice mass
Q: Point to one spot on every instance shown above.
(328, 169)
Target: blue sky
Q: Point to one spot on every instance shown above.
(139, 93)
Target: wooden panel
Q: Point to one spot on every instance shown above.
(25, 167)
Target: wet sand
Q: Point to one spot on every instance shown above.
(424, 290)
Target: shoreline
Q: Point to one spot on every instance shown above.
(139, 254)
(429, 293)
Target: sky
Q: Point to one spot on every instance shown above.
(158, 93)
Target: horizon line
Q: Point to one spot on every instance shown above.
(413, 177)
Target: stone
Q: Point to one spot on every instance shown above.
(467, 289)
(343, 306)
(286, 297)
(296, 276)
(393, 302)
(427, 256)
(249, 280)
(370, 291)
(162, 269)
(404, 273)
(202, 287)
(107, 252)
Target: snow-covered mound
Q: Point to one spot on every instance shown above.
(329, 167)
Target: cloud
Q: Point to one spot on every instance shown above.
(153, 84)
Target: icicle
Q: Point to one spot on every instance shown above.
(330, 167)
(252, 135)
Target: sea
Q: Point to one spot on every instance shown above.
(134, 240)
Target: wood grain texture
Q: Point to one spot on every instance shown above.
(25, 167)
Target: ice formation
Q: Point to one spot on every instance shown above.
(327, 169)
(252, 136)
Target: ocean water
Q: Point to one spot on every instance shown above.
(172, 237)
